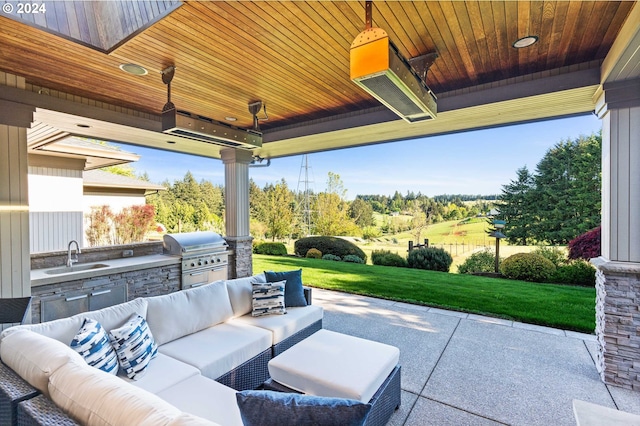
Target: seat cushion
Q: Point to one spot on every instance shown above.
(205, 398)
(335, 365)
(162, 373)
(240, 293)
(178, 314)
(94, 397)
(284, 326)
(219, 349)
(35, 357)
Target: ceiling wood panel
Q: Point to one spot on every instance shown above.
(294, 56)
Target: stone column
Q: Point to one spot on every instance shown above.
(15, 266)
(236, 197)
(618, 275)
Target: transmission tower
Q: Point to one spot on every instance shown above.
(304, 197)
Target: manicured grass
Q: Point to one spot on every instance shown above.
(565, 307)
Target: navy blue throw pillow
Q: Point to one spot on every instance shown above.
(293, 292)
(269, 408)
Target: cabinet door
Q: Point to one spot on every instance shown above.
(102, 298)
(63, 306)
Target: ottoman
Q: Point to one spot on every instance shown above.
(337, 365)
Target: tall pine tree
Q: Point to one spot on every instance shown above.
(517, 208)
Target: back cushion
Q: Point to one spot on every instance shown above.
(35, 357)
(185, 312)
(65, 329)
(94, 397)
(241, 293)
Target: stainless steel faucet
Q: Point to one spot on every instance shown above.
(72, 260)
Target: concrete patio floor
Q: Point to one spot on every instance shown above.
(464, 369)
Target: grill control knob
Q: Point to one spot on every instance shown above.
(199, 262)
(193, 264)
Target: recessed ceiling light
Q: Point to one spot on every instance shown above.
(133, 69)
(230, 118)
(84, 126)
(171, 142)
(525, 42)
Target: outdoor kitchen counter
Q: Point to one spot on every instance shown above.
(40, 277)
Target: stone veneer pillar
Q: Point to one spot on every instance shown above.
(236, 197)
(15, 263)
(618, 275)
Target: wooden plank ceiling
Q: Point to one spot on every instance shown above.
(294, 56)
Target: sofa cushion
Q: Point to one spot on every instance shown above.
(219, 349)
(92, 342)
(35, 357)
(162, 373)
(178, 314)
(134, 345)
(240, 293)
(205, 398)
(268, 408)
(188, 419)
(114, 316)
(293, 292)
(268, 299)
(94, 397)
(284, 326)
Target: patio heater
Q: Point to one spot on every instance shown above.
(498, 235)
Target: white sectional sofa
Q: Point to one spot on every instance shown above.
(208, 346)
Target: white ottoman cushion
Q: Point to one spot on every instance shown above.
(335, 365)
(283, 326)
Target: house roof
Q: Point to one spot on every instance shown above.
(102, 179)
(294, 57)
(95, 154)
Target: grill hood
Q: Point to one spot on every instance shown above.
(186, 125)
(190, 242)
(378, 67)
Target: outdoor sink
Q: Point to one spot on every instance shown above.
(75, 268)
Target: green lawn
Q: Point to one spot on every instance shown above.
(565, 307)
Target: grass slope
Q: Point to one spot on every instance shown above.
(565, 307)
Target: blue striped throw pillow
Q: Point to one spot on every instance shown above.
(134, 345)
(92, 342)
(268, 298)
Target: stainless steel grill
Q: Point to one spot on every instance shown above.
(205, 256)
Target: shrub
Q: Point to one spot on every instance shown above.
(577, 272)
(330, 256)
(332, 245)
(386, 258)
(431, 258)
(274, 249)
(553, 254)
(527, 267)
(585, 246)
(313, 253)
(352, 258)
(482, 261)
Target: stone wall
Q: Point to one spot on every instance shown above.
(618, 322)
(241, 257)
(95, 254)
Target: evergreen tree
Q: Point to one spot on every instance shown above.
(567, 190)
(516, 207)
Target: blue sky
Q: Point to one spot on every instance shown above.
(477, 162)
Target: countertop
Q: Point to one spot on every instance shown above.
(40, 277)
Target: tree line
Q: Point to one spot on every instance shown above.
(560, 199)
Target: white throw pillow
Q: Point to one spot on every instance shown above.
(92, 342)
(93, 397)
(134, 345)
(240, 293)
(268, 298)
